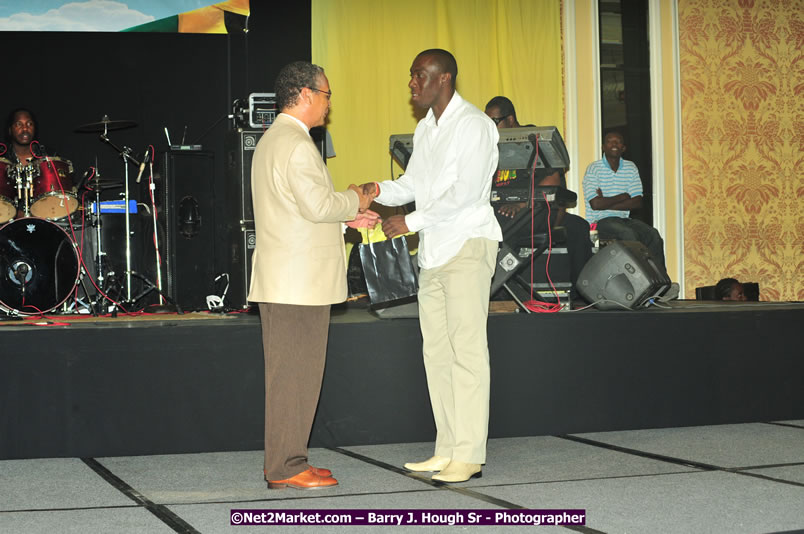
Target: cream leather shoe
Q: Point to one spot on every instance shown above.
(458, 472)
(436, 463)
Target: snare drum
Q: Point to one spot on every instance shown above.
(38, 266)
(54, 176)
(8, 193)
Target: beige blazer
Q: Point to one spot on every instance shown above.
(300, 256)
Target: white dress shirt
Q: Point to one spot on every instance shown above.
(449, 177)
(299, 122)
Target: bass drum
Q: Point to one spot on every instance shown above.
(38, 266)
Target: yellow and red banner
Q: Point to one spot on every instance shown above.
(181, 16)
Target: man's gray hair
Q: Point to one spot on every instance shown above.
(292, 79)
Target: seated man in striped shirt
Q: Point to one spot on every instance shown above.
(611, 189)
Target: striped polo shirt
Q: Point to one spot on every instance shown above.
(600, 176)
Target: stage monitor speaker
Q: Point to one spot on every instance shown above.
(622, 275)
(187, 199)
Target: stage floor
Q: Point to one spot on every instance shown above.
(725, 479)
(194, 383)
(359, 312)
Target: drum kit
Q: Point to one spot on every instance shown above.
(41, 265)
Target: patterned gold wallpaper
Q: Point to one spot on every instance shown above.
(742, 86)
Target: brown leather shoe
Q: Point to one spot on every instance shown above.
(303, 481)
(320, 471)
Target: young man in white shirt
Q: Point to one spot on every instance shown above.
(449, 178)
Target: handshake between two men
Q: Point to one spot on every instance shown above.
(393, 226)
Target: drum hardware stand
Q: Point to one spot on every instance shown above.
(125, 153)
(24, 176)
(96, 219)
(97, 222)
(89, 304)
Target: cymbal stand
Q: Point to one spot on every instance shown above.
(97, 220)
(97, 223)
(125, 153)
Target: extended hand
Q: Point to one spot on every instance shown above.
(370, 188)
(369, 219)
(364, 198)
(395, 225)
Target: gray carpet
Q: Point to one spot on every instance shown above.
(746, 478)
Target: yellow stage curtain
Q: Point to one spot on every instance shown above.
(503, 47)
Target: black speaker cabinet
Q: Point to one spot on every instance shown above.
(240, 145)
(622, 275)
(241, 238)
(187, 200)
(241, 243)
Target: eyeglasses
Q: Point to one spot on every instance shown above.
(498, 120)
(327, 94)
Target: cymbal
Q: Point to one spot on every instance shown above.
(105, 124)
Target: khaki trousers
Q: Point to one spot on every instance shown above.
(294, 340)
(453, 315)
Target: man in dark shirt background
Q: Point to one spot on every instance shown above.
(579, 247)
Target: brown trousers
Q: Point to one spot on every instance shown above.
(294, 340)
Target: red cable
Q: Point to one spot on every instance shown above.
(532, 304)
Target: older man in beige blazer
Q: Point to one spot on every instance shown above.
(298, 269)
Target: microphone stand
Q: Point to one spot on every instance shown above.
(170, 307)
(151, 188)
(166, 305)
(125, 153)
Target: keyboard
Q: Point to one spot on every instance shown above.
(557, 195)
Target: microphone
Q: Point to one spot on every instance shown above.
(20, 273)
(83, 180)
(142, 165)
